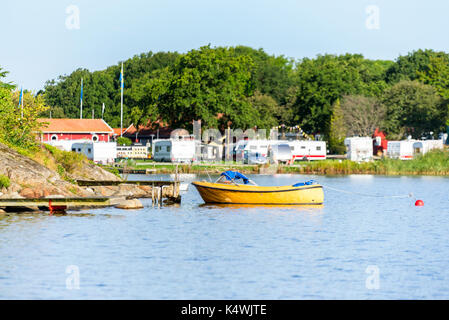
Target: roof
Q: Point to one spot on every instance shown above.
(151, 128)
(74, 125)
(117, 130)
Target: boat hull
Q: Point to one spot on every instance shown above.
(245, 194)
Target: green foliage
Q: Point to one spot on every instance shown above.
(4, 181)
(123, 141)
(245, 87)
(207, 83)
(321, 81)
(67, 161)
(435, 162)
(16, 130)
(414, 109)
(338, 130)
(103, 87)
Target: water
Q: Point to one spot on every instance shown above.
(355, 247)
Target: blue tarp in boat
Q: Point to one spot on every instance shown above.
(307, 183)
(234, 175)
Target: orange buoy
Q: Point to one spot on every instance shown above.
(419, 203)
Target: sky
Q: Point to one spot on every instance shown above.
(42, 40)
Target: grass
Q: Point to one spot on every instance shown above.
(4, 181)
(433, 163)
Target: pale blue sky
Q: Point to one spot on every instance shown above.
(37, 46)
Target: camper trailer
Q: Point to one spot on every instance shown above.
(359, 148)
(247, 147)
(308, 149)
(174, 150)
(99, 152)
(424, 146)
(400, 149)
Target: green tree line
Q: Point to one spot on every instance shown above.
(244, 88)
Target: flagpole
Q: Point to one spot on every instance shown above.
(102, 111)
(121, 107)
(22, 104)
(81, 100)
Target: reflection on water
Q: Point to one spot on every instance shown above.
(198, 251)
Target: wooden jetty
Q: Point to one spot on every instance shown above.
(96, 183)
(159, 189)
(57, 204)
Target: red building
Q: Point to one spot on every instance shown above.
(96, 130)
(380, 143)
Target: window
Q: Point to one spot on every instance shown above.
(292, 148)
(74, 149)
(79, 149)
(94, 138)
(54, 137)
(252, 147)
(303, 147)
(318, 148)
(168, 148)
(89, 150)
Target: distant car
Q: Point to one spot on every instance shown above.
(280, 153)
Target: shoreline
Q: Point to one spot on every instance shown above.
(431, 164)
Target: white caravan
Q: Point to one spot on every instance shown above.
(251, 147)
(98, 152)
(400, 149)
(359, 148)
(424, 146)
(174, 150)
(307, 149)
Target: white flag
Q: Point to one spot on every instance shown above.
(102, 111)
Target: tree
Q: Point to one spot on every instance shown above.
(211, 84)
(123, 141)
(265, 110)
(338, 130)
(409, 66)
(436, 73)
(362, 115)
(15, 129)
(414, 109)
(321, 81)
(270, 75)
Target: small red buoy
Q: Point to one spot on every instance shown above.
(419, 203)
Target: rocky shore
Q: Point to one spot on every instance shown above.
(30, 178)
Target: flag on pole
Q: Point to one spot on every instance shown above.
(122, 79)
(81, 100)
(20, 97)
(102, 111)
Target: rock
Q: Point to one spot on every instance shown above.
(130, 204)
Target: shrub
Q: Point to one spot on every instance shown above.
(4, 181)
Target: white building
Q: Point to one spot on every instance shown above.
(308, 149)
(99, 152)
(424, 146)
(400, 149)
(359, 148)
(174, 150)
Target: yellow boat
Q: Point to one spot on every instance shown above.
(226, 191)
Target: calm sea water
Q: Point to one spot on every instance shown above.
(355, 247)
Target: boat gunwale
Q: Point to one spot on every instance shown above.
(269, 203)
(258, 191)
